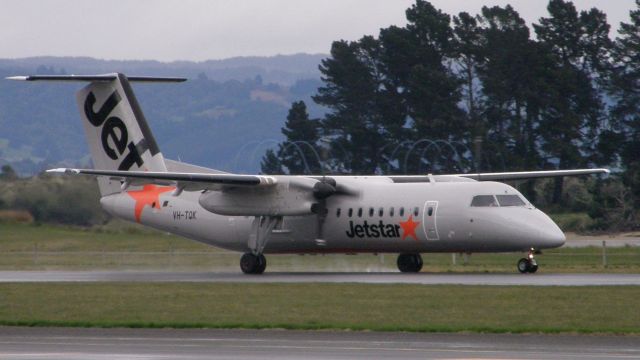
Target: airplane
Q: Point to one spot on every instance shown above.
(284, 214)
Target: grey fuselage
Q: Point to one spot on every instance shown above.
(436, 216)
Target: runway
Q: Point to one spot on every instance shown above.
(539, 279)
(89, 344)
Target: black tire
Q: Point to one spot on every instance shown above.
(417, 261)
(262, 264)
(533, 268)
(409, 263)
(249, 263)
(523, 265)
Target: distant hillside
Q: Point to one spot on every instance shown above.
(280, 69)
(224, 117)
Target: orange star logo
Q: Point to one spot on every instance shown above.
(149, 195)
(409, 228)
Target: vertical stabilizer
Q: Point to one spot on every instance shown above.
(117, 132)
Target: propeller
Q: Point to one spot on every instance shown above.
(322, 190)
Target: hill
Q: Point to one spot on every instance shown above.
(224, 117)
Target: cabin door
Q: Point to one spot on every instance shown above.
(429, 224)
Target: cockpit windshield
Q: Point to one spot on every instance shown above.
(497, 200)
(484, 200)
(510, 200)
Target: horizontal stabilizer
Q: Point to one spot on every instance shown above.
(94, 78)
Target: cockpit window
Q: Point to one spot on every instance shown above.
(484, 200)
(510, 200)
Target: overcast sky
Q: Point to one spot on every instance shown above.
(170, 30)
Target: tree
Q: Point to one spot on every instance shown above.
(432, 87)
(513, 72)
(8, 173)
(468, 54)
(352, 87)
(573, 119)
(270, 164)
(625, 89)
(297, 153)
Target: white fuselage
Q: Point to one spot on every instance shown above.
(383, 217)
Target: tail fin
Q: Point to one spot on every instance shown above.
(117, 132)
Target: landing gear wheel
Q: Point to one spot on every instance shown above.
(262, 264)
(408, 263)
(527, 265)
(253, 264)
(523, 265)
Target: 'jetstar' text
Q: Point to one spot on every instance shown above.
(373, 230)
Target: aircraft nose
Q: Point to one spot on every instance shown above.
(550, 235)
(554, 237)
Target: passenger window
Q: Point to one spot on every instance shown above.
(430, 211)
(350, 212)
(416, 211)
(381, 212)
(401, 211)
(371, 211)
(510, 200)
(484, 201)
(391, 212)
(338, 212)
(359, 212)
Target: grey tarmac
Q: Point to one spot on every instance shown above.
(91, 343)
(539, 279)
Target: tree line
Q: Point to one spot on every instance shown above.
(477, 92)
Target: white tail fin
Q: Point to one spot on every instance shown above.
(117, 132)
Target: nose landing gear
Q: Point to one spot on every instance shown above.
(409, 263)
(528, 264)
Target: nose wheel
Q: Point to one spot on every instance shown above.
(528, 264)
(409, 263)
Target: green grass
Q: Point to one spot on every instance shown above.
(129, 246)
(324, 306)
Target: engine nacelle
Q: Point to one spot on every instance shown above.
(290, 197)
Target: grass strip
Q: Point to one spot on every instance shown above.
(48, 247)
(377, 307)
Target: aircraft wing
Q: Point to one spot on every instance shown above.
(185, 180)
(520, 175)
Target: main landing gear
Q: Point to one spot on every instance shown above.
(409, 263)
(528, 264)
(254, 262)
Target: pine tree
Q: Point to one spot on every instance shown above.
(352, 89)
(468, 54)
(513, 71)
(625, 90)
(571, 124)
(270, 164)
(297, 154)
